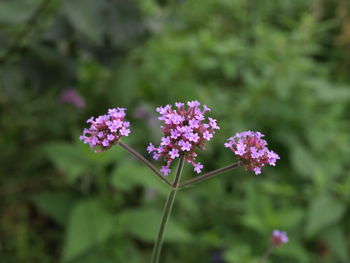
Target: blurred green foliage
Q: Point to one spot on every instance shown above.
(281, 67)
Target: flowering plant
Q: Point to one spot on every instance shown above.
(186, 129)
(278, 238)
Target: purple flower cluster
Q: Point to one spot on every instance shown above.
(184, 130)
(251, 150)
(106, 130)
(278, 237)
(71, 96)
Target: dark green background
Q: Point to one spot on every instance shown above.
(280, 67)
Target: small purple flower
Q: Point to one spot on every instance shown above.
(193, 104)
(240, 149)
(105, 143)
(193, 137)
(71, 96)
(165, 170)
(185, 146)
(100, 134)
(175, 134)
(184, 130)
(213, 124)
(106, 130)
(257, 170)
(198, 167)
(252, 150)
(194, 123)
(174, 153)
(207, 135)
(150, 148)
(165, 141)
(110, 137)
(278, 237)
(179, 104)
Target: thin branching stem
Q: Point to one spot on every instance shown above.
(166, 213)
(145, 161)
(266, 254)
(209, 175)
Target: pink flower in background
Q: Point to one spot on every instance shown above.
(145, 112)
(252, 150)
(106, 130)
(278, 237)
(72, 97)
(184, 130)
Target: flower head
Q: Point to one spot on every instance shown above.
(72, 97)
(184, 130)
(106, 130)
(278, 237)
(252, 150)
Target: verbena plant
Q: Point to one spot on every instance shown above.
(186, 128)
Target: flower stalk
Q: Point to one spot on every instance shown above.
(266, 254)
(166, 213)
(209, 175)
(144, 160)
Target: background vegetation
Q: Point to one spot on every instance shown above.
(281, 67)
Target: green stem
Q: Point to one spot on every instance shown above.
(143, 159)
(209, 175)
(266, 254)
(166, 213)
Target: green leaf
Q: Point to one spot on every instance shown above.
(87, 16)
(57, 205)
(17, 11)
(144, 224)
(302, 160)
(89, 225)
(324, 211)
(337, 242)
(67, 158)
(238, 253)
(128, 174)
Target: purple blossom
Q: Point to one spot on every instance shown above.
(185, 128)
(278, 237)
(185, 146)
(213, 124)
(165, 141)
(150, 148)
(124, 131)
(175, 134)
(252, 150)
(207, 135)
(156, 156)
(193, 104)
(257, 170)
(174, 153)
(240, 149)
(110, 137)
(105, 142)
(179, 104)
(106, 130)
(198, 167)
(194, 123)
(71, 96)
(144, 112)
(100, 134)
(165, 170)
(193, 137)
